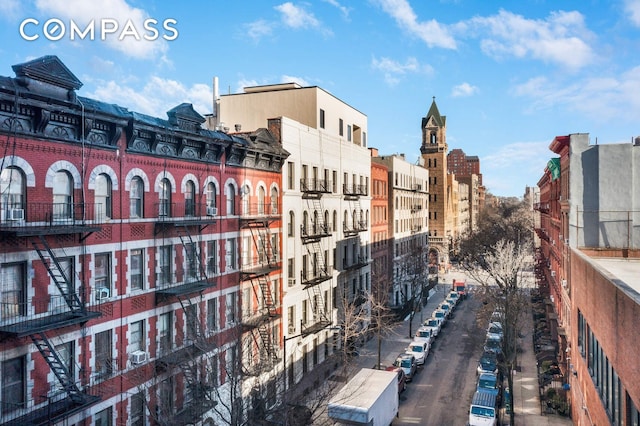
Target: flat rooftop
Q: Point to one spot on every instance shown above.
(624, 272)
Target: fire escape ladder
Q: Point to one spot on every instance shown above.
(318, 265)
(268, 354)
(193, 324)
(58, 368)
(358, 220)
(192, 251)
(317, 304)
(65, 286)
(267, 297)
(320, 227)
(261, 235)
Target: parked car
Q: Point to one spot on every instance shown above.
(446, 308)
(408, 364)
(493, 345)
(454, 297)
(488, 363)
(402, 378)
(489, 382)
(440, 314)
(419, 349)
(424, 333)
(435, 324)
(494, 331)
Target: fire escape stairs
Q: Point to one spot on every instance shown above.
(58, 368)
(193, 256)
(61, 281)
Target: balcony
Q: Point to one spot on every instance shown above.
(314, 232)
(40, 314)
(357, 263)
(541, 207)
(169, 359)
(185, 214)
(311, 278)
(354, 191)
(256, 266)
(256, 317)
(317, 324)
(167, 285)
(354, 228)
(46, 413)
(35, 219)
(263, 212)
(314, 187)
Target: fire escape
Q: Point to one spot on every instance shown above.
(263, 259)
(186, 223)
(353, 225)
(314, 228)
(41, 225)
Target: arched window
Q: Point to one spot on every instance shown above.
(137, 197)
(261, 200)
(164, 197)
(245, 199)
(291, 226)
(305, 223)
(102, 196)
(12, 194)
(231, 199)
(62, 195)
(335, 221)
(326, 220)
(432, 138)
(211, 195)
(274, 201)
(190, 199)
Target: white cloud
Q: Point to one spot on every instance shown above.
(632, 7)
(343, 9)
(393, 70)
(82, 12)
(292, 79)
(601, 99)
(258, 29)
(561, 38)
(431, 32)
(157, 96)
(10, 8)
(298, 18)
(464, 90)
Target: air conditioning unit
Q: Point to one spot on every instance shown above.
(292, 329)
(566, 241)
(212, 211)
(564, 283)
(553, 273)
(16, 214)
(102, 293)
(138, 357)
(292, 282)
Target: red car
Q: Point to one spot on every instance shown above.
(402, 378)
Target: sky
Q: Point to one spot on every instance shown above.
(509, 76)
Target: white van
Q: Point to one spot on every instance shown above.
(483, 410)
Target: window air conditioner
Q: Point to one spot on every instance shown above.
(102, 293)
(292, 329)
(212, 211)
(553, 273)
(16, 214)
(138, 357)
(564, 283)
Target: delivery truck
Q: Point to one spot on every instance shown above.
(370, 398)
(460, 287)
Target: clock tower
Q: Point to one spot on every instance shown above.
(434, 155)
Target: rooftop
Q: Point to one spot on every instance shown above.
(624, 272)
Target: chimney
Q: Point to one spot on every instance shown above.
(216, 96)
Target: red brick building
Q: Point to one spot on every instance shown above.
(139, 259)
(381, 233)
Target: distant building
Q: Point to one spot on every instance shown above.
(588, 264)
(381, 230)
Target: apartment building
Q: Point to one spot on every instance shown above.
(128, 245)
(381, 232)
(587, 266)
(408, 223)
(326, 208)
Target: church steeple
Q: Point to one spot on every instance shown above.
(433, 130)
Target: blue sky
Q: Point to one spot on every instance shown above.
(509, 75)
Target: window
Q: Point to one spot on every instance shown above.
(12, 192)
(291, 175)
(65, 353)
(245, 194)
(137, 197)
(14, 391)
(291, 271)
(66, 267)
(103, 196)
(165, 333)
(103, 276)
(164, 196)
(211, 196)
(191, 320)
(212, 257)
(231, 308)
(103, 358)
(231, 199)
(165, 398)
(62, 195)
(341, 127)
(165, 263)
(334, 183)
(12, 290)
(191, 257)
(138, 402)
(213, 371)
(103, 418)
(261, 200)
(291, 225)
(231, 254)
(137, 336)
(349, 132)
(190, 199)
(274, 201)
(136, 266)
(321, 118)
(291, 319)
(212, 314)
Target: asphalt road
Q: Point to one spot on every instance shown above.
(442, 390)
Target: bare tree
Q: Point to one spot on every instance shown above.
(414, 272)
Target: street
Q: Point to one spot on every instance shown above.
(441, 392)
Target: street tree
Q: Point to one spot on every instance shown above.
(414, 279)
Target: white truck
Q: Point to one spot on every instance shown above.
(370, 398)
